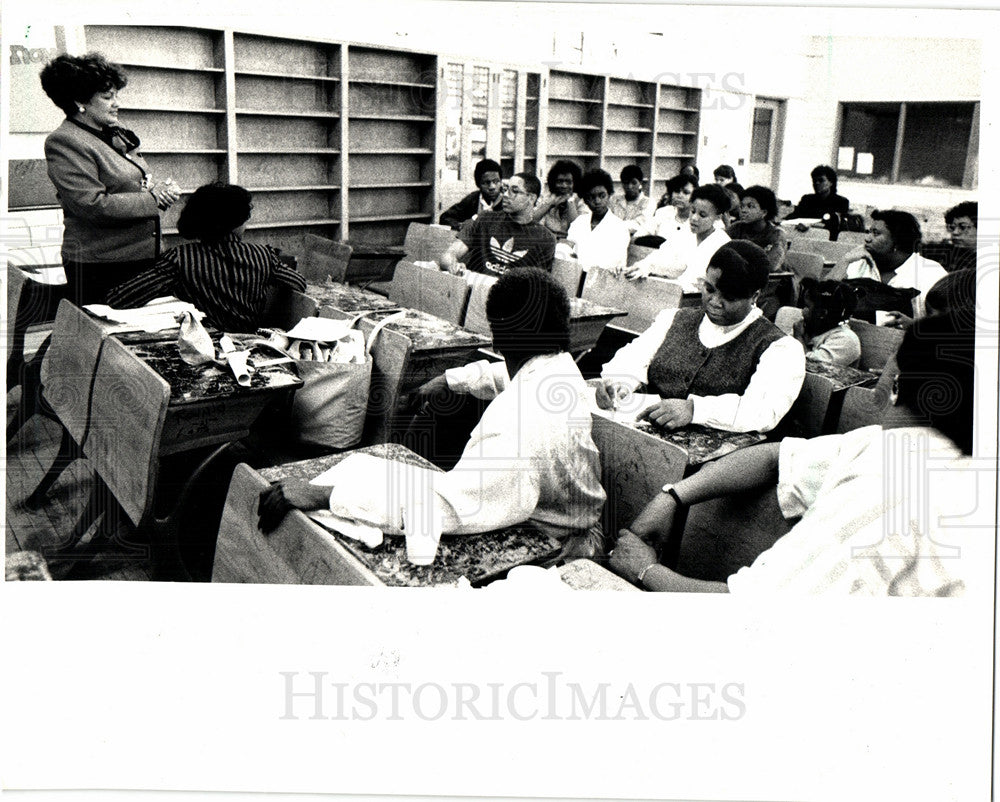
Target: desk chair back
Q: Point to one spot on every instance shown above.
(865, 407)
(787, 317)
(285, 307)
(808, 415)
(433, 291)
(324, 259)
(878, 343)
(636, 253)
(644, 299)
(634, 467)
(855, 238)
(15, 284)
(128, 409)
(426, 243)
(475, 313)
(568, 273)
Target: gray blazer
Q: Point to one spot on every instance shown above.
(109, 216)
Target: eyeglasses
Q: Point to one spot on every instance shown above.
(960, 227)
(515, 191)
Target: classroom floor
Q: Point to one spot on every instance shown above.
(29, 455)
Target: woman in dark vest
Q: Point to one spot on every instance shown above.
(723, 365)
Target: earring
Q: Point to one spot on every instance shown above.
(82, 110)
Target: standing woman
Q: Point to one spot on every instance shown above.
(111, 205)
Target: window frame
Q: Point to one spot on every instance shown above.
(970, 172)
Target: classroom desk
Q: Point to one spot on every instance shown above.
(842, 376)
(129, 400)
(348, 297)
(587, 320)
(370, 262)
(703, 443)
(300, 551)
(817, 409)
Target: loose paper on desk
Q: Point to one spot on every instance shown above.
(160, 314)
(322, 329)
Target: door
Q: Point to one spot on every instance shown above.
(766, 134)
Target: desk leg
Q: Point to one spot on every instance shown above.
(99, 519)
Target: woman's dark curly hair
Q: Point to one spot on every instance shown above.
(213, 211)
(69, 80)
(562, 167)
(832, 302)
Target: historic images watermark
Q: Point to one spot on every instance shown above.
(318, 695)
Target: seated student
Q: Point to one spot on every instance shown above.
(499, 240)
(685, 261)
(670, 221)
(823, 330)
(963, 225)
(560, 204)
(631, 204)
(527, 460)
(723, 365)
(890, 257)
(486, 198)
(824, 199)
(222, 275)
(858, 533)
(724, 175)
(955, 291)
(599, 238)
(758, 211)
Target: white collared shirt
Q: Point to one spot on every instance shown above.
(605, 245)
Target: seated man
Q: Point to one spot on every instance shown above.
(631, 204)
(499, 240)
(528, 459)
(891, 258)
(222, 275)
(724, 365)
(860, 531)
(485, 199)
(599, 238)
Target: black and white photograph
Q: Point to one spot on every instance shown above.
(458, 399)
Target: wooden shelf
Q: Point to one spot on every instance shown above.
(617, 130)
(568, 127)
(172, 109)
(677, 133)
(293, 223)
(625, 104)
(679, 108)
(380, 217)
(171, 68)
(288, 151)
(575, 100)
(675, 155)
(382, 82)
(400, 185)
(298, 188)
(578, 153)
(632, 155)
(185, 151)
(292, 76)
(392, 152)
(307, 114)
(416, 118)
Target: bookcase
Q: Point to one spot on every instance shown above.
(355, 142)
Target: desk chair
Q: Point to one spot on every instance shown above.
(569, 273)
(636, 253)
(324, 259)
(878, 343)
(426, 243)
(433, 291)
(802, 265)
(865, 407)
(787, 317)
(475, 313)
(634, 467)
(285, 307)
(644, 299)
(855, 238)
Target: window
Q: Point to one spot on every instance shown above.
(760, 139)
(928, 144)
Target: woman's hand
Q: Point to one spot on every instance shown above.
(670, 413)
(608, 392)
(631, 556)
(165, 194)
(897, 320)
(637, 271)
(286, 495)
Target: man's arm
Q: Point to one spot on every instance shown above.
(457, 214)
(451, 258)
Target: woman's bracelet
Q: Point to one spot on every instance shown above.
(642, 573)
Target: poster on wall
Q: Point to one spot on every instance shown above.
(31, 111)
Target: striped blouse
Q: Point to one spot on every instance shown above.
(228, 280)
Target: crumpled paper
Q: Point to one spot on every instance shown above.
(193, 341)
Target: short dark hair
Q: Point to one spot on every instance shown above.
(903, 228)
(679, 181)
(743, 266)
(69, 80)
(715, 195)
(528, 311)
(562, 167)
(531, 183)
(213, 211)
(596, 178)
(833, 302)
(484, 166)
(765, 199)
(826, 171)
(630, 171)
(725, 171)
(955, 292)
(693, 168)
(968, 209)
(936, 381)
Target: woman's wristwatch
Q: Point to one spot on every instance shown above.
(671, 491)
